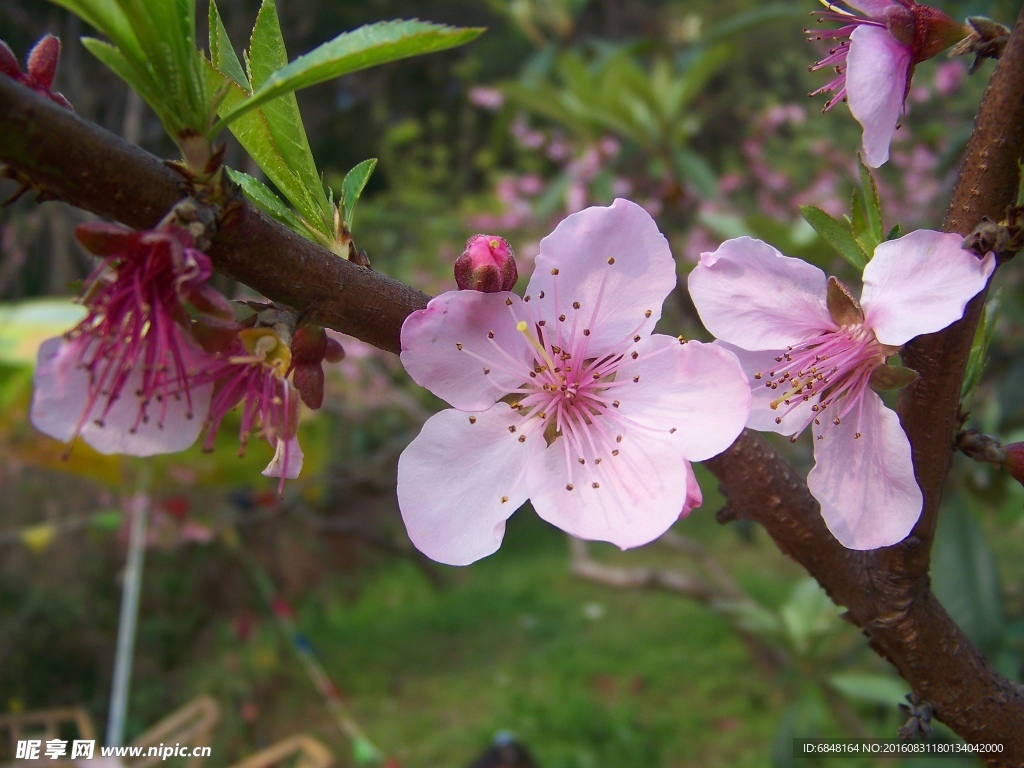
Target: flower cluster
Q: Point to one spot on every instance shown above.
(159, 355)
(565, 397)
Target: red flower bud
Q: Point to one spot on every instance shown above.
(487, 265)
(1014, 461)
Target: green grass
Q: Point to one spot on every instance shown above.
(585, 675)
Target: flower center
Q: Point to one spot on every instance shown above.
(833, 370)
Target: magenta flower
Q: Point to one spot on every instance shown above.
(813, 354)
(564, 397)
(122, 378)
(875, 66)
(252, 372)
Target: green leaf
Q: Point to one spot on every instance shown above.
(267, 55)
(255, 135)
(895, 232)
(885, 690)
(965, 578)
(108, 18)
(138, 79)
(871, 202)
(222, 53)
(696, 170)
(264, 197)
(979, 345)
(352, 187)
(836, 234)
(367, 46)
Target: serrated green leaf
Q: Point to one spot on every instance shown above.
(253, 133)
(979, 346)
(835, 234)
(264, 197)
(267, 55)
(222, 53)
(367, 46)
(114, 59)
(352, 187)
(871, 202)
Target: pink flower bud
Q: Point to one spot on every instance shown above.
(1014, 461)
(487, 265)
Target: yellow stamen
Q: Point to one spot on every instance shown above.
(522, 327)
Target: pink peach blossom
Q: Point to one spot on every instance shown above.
(813, 355)
(887, 38)
(564, 397)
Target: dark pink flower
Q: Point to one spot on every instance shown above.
(122, 378)
(252, 372)
(873, 68)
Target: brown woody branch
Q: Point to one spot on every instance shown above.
(885, 592)
(74, 160)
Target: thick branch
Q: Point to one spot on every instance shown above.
(886, 592)
(76, 161)
(987, 183)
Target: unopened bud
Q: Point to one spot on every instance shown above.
(925, 30)
(487, 265)
(1014, 461)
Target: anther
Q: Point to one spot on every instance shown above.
(512, 428)
(554, 271)
(615, 403)
(647, 313)
(522, 438)
(637, 337)
(561, 318)
(595, 485)
(611, 259)
(586, 331)
(504, 499)
(635, 355)
(486, 371)
(540, 295)
(636, 379)
(472, 419)
(575, 305)
(618, 438)
(490, 334)
(508, 302)
(458, 346)
(569, 487)
(581, 460)
(615, 452)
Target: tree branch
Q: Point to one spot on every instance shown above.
(74, 160)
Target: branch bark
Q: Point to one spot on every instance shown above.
(885, 592)
(74, 160)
